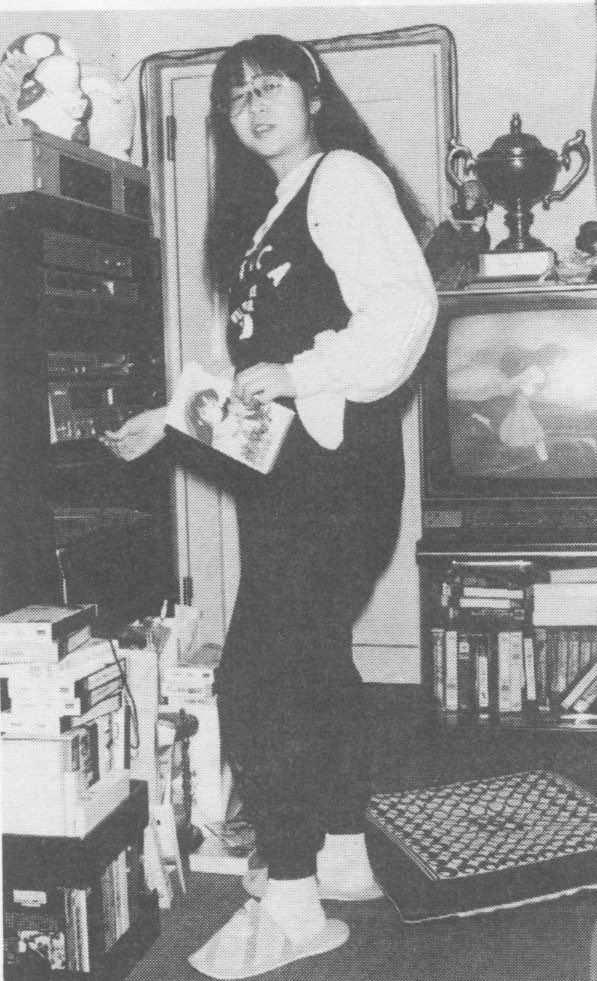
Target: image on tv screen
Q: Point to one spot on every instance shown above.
(522, 395)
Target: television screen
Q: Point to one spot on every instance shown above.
(522, 395)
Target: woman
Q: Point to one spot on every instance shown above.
(331, 308)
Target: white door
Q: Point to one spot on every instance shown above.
(401, 93)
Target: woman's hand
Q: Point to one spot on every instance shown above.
(262, 384)
(137, 436)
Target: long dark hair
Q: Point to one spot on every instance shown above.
(244, 188)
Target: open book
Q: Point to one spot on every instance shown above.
(201, 408)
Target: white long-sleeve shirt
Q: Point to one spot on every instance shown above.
(358, 226)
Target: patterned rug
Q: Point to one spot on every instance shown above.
(483, 845)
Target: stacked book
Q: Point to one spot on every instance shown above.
(64, 722)
(59, 927)
(483, 654)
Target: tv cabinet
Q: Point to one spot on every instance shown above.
(527, 558)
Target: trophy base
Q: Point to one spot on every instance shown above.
(516, 265)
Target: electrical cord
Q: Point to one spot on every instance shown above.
(136, 744)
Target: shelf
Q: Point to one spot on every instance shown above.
(542, 722)
(526, 544)
(118, 963)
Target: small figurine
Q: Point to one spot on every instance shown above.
(586, 240)
(453, 252)
(43, 82)
(18, 66)
(578, 263)
(112, 120)
(52, 99)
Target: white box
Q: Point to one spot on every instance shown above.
(45, 788)
(565, 604)
(42, 796)
(506, 265)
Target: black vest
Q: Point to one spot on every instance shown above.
(285, 294)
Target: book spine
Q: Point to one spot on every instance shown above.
(108, 909)
(530, 677)
(589, 696)
(122, 885)
(585, 648)
(451, 699)
(540, 642)
(135, 880)
(482, 677)
(465, 679)
(489, 603)
(111, 704)
(98, 678)
(573, 667)
(438, 647)
(58, 631)
(500, 619)
(504, 672)
(580, 688)
(494, 591)
(72, 945)
(25, 650)
(516, 670)
(82, 928)
(561, 675)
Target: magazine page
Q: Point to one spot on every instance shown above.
(201, 408)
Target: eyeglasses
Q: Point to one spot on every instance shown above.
(268, 88)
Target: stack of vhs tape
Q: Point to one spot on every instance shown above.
(64, 722)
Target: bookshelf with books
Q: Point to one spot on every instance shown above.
(76, 909)
(509, 636)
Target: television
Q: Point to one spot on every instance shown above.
(509, 414)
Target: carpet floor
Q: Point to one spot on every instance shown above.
(545, 942)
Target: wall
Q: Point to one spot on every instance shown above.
(93, 33)
(537, 59)
(534, 58)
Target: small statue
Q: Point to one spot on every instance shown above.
(453, 252)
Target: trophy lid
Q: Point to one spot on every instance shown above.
(516, 143)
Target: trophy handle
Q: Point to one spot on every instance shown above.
(576, 144)
(456, 152)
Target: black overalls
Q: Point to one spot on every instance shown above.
(314, 536)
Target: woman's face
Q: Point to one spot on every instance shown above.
(271, 117)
